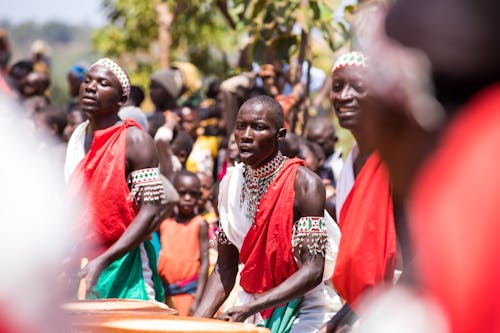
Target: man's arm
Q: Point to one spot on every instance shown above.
(344, 317)
(162, 139)
(309, 201)
(203, 276)
(140, 154)
(220, 282)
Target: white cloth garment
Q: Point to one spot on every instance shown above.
(346, 179)
(336, 163)
(75, 151)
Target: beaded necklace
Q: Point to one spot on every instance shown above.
(256, 182)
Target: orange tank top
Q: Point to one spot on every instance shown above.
(180, 249)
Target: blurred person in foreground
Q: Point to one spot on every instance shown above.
(35, 239)
(272, 217)
(442, 160)
(112, 169)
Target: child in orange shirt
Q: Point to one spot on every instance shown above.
(183, 260)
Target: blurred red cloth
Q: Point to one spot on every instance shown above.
(100, 178)
(455, 218)
(367, 250)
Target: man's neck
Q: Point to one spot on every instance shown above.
(103, 121)
(273, 159)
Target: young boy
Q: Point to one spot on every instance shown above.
(183, 261)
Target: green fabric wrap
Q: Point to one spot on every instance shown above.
(124, 279)
(282, 319)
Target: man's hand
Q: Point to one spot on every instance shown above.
(91, 272)
(171, 119)
(236, 314)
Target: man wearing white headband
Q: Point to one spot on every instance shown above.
(112, 171)
(365, 210)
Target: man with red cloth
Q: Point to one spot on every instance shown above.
(112, 172)
(367, 250)
(273, 220)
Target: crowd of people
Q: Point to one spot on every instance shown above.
(220, 203)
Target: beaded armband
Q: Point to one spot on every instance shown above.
(146, 186)
(221, 238)
(310, 232)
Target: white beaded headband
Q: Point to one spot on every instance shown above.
(353, 58)
(117, 71)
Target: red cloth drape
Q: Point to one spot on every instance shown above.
(99, 185)
(267, 248)
(367, 249)
(455, 218)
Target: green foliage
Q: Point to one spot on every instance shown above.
(273, 24)
(133, 26)
(199, 33)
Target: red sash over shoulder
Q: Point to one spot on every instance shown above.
(99, 181)
(367, 250)
(267, 247)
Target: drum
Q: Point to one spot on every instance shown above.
(154, 323)
(114, 305)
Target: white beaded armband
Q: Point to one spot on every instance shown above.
(146, 186)
(310, 232)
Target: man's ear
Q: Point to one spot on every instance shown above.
(281, 134)
(122, 100)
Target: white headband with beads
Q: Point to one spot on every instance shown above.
(117, 71)
(353, 58)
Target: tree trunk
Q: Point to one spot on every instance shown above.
(165, 20)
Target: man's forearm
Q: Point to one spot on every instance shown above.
(218, 288)
(133, 236)
(297, 285)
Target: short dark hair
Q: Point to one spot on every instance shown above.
(186, 173)
(136, 95)
(183, 141)
(277, 114)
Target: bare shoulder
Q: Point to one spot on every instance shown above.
(310, 193)
(141, 151)
(307, 181)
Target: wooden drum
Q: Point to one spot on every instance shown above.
(154, 323)
(114, 305)
(126, 316)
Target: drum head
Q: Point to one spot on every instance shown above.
(115, 305)
(154, 324)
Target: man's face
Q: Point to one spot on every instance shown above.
(157, 93)
(324, 136)
(256, 134)
(348, 88)
(189, 121)
(100, 91)
(33, 85)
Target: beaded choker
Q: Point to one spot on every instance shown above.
(256, 183)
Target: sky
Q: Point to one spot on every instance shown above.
(69, 11)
